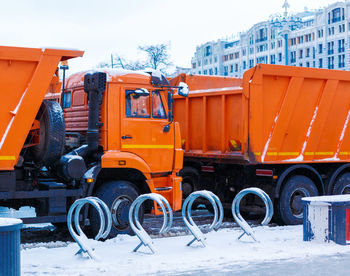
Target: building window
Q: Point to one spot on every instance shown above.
(236, 55)
(251, 63)
(279, 57)
(341, 28)
(210, 72)
(243, 52)
(300, 39)
(225, 70)
(320, 61)
(199, 72)
(330, 62)
(300, 53)
(341, 45)
(307, 52)
(320, 48)
(307, 64)
(330, 48)
(293, 41)
(244, 65)
(300, 64)
(231, 68)
(199, 63)
(293, 57)
(320, 33)
(272, 59)
(205, 72)
(231, 56)
(216, 70)
(273, 45)
(308, 38)
(279, 43)
(215, 59)
(236, 67)
(331, 31)
(341, 61)
(207, 51)
(194, 65)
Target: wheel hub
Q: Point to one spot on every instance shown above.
(296, 203)
(345, 190)
(120, 212)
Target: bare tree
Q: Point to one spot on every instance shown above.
(157, 55)
(120, 62)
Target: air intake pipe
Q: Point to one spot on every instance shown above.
(94, 86)
(72, 165)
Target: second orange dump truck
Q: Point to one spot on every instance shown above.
(122, 140)
(283, 129)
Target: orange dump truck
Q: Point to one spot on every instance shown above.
(125, 146)
(283, 129)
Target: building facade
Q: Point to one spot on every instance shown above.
(319, 39)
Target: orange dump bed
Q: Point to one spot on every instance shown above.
(26, 74)
(276, 114)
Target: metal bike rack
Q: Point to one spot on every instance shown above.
(237, 215)
(79, 236)
(136, 226)
(187, 218)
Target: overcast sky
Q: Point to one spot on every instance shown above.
(102, 27)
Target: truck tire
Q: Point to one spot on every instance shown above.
(122, 194)
(342, 184)
(290, 205)
(190, 179)
(52, 134)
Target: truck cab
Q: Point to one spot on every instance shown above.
(139, 144)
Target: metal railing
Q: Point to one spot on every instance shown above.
(241, 221)
(188, 220)
(136, 226)
(78, 235)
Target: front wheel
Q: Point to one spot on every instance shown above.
(290, 205)
(118, 195)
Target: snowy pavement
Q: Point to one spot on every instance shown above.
(279, 248)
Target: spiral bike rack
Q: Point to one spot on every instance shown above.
(188, 220)
(136, 226)
(241, 221)
(79, 236)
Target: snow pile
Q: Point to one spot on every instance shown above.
(276, 243)
(9, 221)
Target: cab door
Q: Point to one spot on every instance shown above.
(142, 128)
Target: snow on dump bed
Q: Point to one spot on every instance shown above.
(9, 221)
(173, 256)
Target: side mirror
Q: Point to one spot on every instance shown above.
(183, 89)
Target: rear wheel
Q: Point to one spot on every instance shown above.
(118, 195)
(342, 184)
(290, 206)
(190, 178)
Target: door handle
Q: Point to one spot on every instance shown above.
(126, 137)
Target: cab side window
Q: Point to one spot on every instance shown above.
(157, 106)
(137, 103)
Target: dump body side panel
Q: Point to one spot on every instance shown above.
(25, 77)
(299, 115)
(212, 117)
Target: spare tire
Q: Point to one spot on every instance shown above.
(52, 134)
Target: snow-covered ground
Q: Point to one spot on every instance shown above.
(224, 254)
